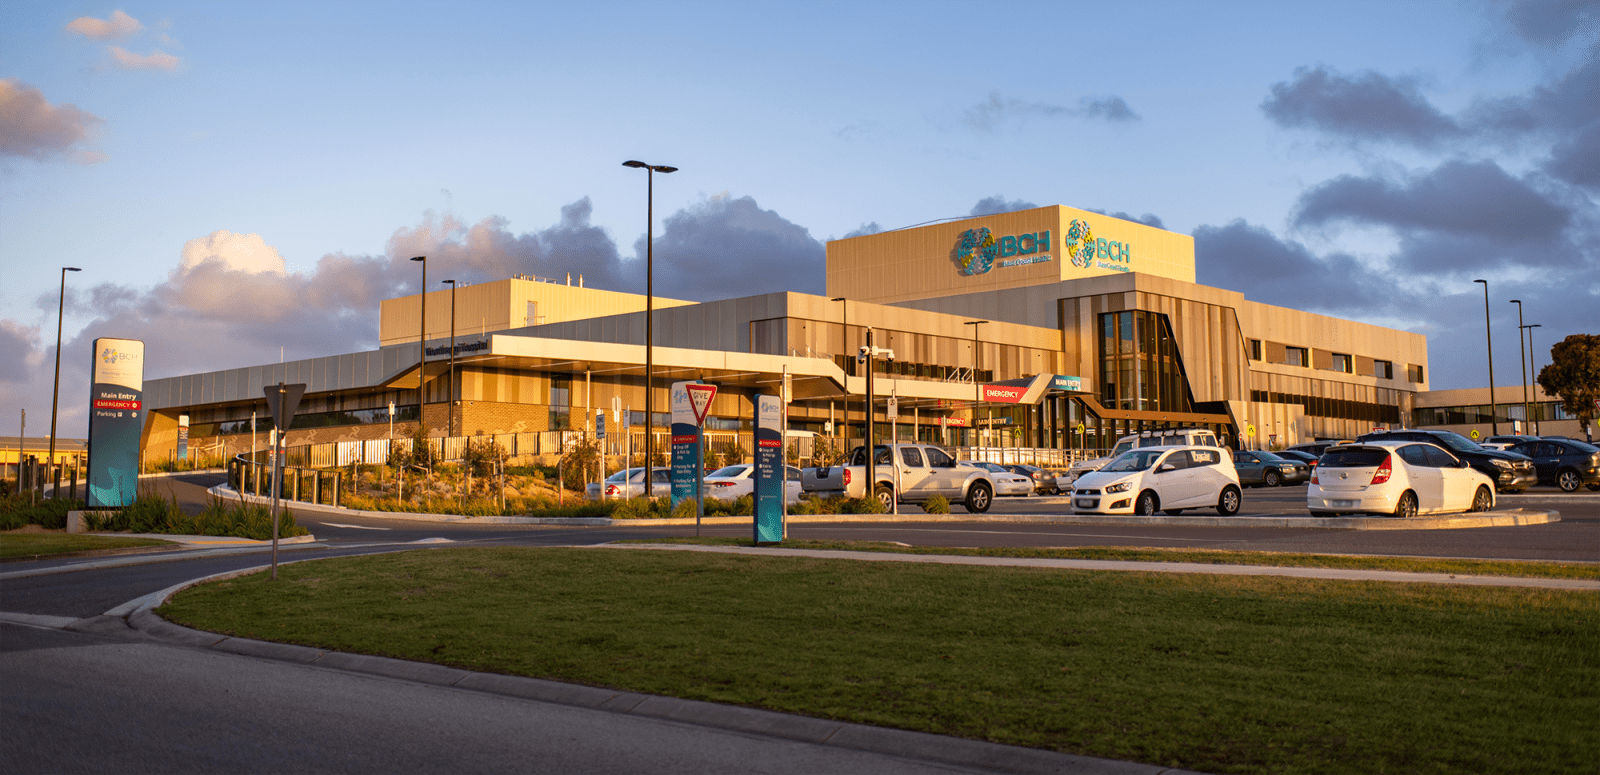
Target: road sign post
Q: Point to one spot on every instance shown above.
(282, 400)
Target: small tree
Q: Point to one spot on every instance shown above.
(481, 454)
(733, 453)
(1574, 376)
(581, 463)
(713, 460)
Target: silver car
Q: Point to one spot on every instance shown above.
(629, 483)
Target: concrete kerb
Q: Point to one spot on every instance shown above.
(138, 615)
(1506, 518)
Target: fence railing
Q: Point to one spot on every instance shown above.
(309, 485)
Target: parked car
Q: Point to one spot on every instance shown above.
(1202, 437)
(1044, 482)
(1317, 447)
(1268, 469)
(1566, 463)
(919, 472)
(1166, 479)
(1006, 483)
(1398, 478)
(629, 483)
(1295, 454)
(728, 483)
(1505, 442)
(1510, 471)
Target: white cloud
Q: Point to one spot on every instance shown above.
(157, 60)
(31, 127)
(235, 252)
(119, 25)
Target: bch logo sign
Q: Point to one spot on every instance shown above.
(977, 249)
(1083, 248)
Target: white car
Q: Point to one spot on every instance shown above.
(1166, 479)
(729, 482)
(1402, 478)
(1006, 483)
(629, 483)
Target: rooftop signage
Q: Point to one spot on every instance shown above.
(1089, 252)
(977, 249)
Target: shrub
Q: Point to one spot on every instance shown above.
(16, 511)
(936, 505)
(686, 509)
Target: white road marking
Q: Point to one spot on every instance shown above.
(352, 527)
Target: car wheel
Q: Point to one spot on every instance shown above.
(1407, 507)
(1568, 480)
(1148, 504)
(1483, 500)
(1272, 479)
(1172, 512)
(979, 496)
(1229, 501)
(885, 496)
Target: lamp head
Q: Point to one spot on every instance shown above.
(837, 298)
(423, 259)
(71, 269)
(1485, 282)
(664, 168)
(1516, 301)
(635, 164)
(451, 283)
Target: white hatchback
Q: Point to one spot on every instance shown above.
(729, 482)
(1401, 478)
(1165, 479)
(1007, 483)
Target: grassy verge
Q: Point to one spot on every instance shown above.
(13, 545)
(1222, 674)
(1530, 569)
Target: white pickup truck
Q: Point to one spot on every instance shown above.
(918, 472)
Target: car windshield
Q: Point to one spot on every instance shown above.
(1345, 457)
(617, 477)
(1138, 460)
(1123, 447)
(1458, 442)
(730, 472)
(1268, 457)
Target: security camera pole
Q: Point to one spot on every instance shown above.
(867, 355)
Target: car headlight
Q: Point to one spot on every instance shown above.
(1118, 487)
(1501, 464)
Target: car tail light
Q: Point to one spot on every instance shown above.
(1384, 470)
(846, 475)
(612, 489)
(723, 484)
(1314, 476)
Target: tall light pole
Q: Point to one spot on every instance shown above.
(1488, 334)
(1533, 361)
(649, 311)
(844, 331)
(55, 396)
(452, 284)
(422, 353)
(1522, 360)
(977, 385)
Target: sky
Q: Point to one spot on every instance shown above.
(244, 181)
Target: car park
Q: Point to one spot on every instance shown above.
(629, 483)
(1563, 462)
(1398, 478)
(1044, 482)
(728, 483)
(1255, 467)
(1509, 471)
(1006, 484)
(1166, 479)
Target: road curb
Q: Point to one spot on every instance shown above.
(141, 619)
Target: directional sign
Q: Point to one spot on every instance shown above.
(600, 424)
(893, 411)
(1474, 434)
(1250, 430)
(282, 404)
(700, 400)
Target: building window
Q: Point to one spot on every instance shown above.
(1139, 365)
(1414, 373)
(560, 403)
(1383, 369)
(1296, 356)
(1341, 362)
(1255, 349)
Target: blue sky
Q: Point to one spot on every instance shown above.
(238, 177)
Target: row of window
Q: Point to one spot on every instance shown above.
(264, 424)
(1336, 408)
(1343, 363)
(1480, 414)
(928, 371)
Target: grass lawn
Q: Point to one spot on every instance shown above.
(1530, 569)
(14, 545)
(1221, 674)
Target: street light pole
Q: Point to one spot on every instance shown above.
(649, 312)
(977, 386)
(1533, 361)
(1488, 334)
(452, 284)
(422, 354)
(1522, 360)
(55, 396)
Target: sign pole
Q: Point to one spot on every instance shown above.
(277, 478)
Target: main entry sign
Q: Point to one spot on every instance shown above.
(116, 417)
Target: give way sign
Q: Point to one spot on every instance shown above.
(700, 400)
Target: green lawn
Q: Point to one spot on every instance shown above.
(1222, 674)
(1530, 569)
(14, 545)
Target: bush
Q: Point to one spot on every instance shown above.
(936, 505)
(150, 513)
(51, 514)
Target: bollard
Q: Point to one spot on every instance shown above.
(295, 490)
(72, 493)
(338, 477)
(256, 469)
(316, 486)
(55, 481)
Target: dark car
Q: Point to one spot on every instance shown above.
(1266, 468)
(1316, 447)
(1510, 471)
(1043, 481)
(1565, 463)
(1301, 455)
